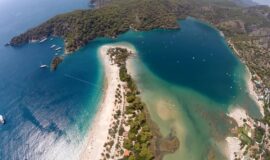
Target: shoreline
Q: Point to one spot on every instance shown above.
(252, 91)
(248, 79)
(99, 131)
(233, 149)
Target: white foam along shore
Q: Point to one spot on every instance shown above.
(99, 131)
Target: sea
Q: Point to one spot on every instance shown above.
(189, 78)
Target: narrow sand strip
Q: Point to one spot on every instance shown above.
(233, 143)
(233, 147)
(99, 131)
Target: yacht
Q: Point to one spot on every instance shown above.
(43, 66)
(43, 40)
(53, 46)
(2, 120)
(59, 48)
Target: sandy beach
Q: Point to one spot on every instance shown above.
(251, 91)
(233, 147)
(239, 115)
(101, 124)
(99, 131)
(233, 143)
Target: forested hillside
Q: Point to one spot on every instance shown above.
(243, 25)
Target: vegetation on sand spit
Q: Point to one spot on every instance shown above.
(143, 140)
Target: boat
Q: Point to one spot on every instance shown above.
(56, 54)
(43, 40)
(2, 120)
(7, 44)
(43, 66)
(59, 48)
(53, 46)
(33, 41)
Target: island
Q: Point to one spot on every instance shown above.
(55, 62)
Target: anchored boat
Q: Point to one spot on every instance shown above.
(43, 66)
(2, 120)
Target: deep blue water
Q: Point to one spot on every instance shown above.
(47, 113)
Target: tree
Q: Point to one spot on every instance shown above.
(131, 136)
(131, 157)
(145, 154)
(127, 144)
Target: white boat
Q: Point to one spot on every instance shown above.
(2, 120)
(43, 40)
(53, 46)
(59, 48)
(43, 66)
(33, 41)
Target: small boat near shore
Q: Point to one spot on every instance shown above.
(2, 120)
(53, 46)
(59, 48)
(43, 66)
(43, 40)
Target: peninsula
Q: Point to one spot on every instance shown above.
(130, 131)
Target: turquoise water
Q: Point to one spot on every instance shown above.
(189, 79)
